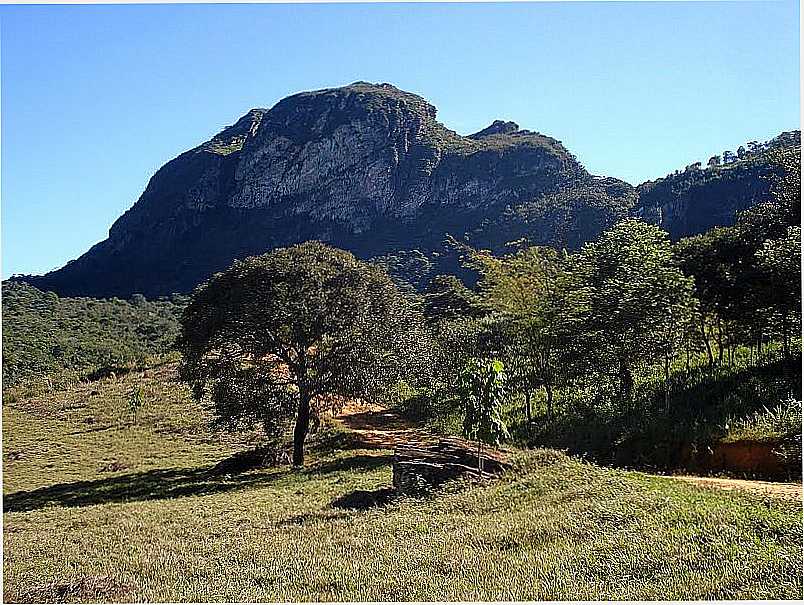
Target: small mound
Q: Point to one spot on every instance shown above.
(241, 462)
(423, 465)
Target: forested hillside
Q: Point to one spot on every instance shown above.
(635, 349)
(698, 198)
(44, 333)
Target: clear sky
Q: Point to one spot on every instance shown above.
(96, 98)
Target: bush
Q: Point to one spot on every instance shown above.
(781, 422)
(726, 403)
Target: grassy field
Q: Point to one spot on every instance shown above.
(97, 507)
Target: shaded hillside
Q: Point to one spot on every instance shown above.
(565, 218)
(684, 203)
(697, 199)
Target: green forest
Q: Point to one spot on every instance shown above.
(46, 335)
(636, 350)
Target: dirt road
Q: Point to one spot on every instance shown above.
(790, 491)
(377, 427)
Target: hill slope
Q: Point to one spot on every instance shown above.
(110, 510)
(44, 334)
(694, 200)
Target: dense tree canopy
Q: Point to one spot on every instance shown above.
(640, 302)
(292, 331)
(747, 276)
(533, 313)
(44, 333)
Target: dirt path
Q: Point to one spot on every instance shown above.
(790, 491)
(377, 427)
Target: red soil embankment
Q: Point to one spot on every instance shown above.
(757, 458)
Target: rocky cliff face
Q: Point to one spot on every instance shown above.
(696, 199)
(366, 167)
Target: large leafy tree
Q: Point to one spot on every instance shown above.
(640, 302)
(285, 334)
(780, 264)
(446, 297)
(533, 311)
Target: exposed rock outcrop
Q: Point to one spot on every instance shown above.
(369, 168)
(366, 167)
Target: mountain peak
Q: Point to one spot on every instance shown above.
(496, 127)
(322, 111)
(358, 90)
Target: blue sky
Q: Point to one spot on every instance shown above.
(96, 98)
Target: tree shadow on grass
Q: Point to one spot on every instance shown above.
(352, 463)
(363, 499)
(158, 484)
(162, 484)
(310, 519)
(360, 499)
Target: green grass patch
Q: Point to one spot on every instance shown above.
(774, 424)
(113, 511)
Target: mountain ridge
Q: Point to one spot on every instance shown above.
(367, 167)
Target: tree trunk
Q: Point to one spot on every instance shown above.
(626, 383)
(549, 389)
(301, 428)
(719, 342)
(707, 343)
(687, 351)
(666, 382)
(528, 410)
(732, 346)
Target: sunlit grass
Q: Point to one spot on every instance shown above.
(165, 528)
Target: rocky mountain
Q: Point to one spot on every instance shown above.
(366, 167)
(695, 199)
